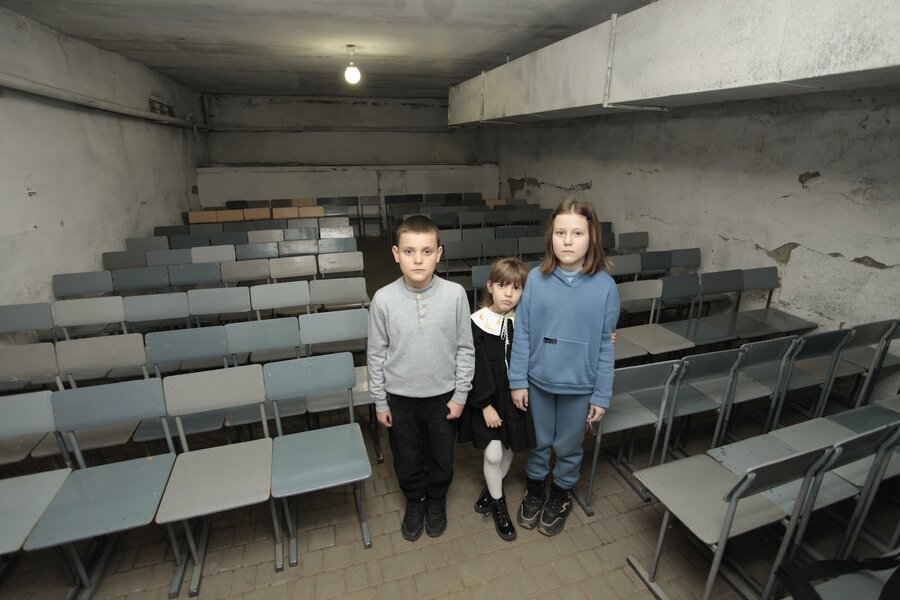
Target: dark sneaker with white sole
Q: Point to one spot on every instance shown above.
(556, 510)
(532, 503)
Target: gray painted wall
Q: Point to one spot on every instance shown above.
(808, 183)
(75, 182)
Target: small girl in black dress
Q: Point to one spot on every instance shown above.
(490, 421)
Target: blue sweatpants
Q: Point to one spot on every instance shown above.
(559, 422)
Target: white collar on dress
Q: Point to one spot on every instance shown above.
(489, 321)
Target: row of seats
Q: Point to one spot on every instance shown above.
(61, 507)
(179, 275)
(94, 315)
(230, 228)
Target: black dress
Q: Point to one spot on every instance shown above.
(490, 386)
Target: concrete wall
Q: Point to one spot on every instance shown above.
(279, 130)
(808, 183)
(75, 182)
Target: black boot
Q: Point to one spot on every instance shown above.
(413, 520)
(557, 509)
(484, 503)
(505, 529)
(532, 503)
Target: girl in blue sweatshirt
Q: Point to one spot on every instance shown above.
(561, 365)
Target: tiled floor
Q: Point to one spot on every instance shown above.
(587, 560)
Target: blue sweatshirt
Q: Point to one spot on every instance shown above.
(562, 343)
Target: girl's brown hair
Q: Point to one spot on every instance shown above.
(595, 259)
(504, 270)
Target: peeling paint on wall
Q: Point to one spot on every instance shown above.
(804, 177)
(515, 185)
(782, 254)
(871, 262)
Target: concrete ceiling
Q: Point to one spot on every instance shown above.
(405, 48)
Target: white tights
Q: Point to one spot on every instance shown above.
(497, 459)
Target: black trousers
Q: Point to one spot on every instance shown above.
(422, 441)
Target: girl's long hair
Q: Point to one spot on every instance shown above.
(595, 259)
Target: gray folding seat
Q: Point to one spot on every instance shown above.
(141, 279)
(228, 238)
(445, 219)
(25, 364)
(293, 266)
(518, 218)
(652, 337)
(156, 308)
(335, 221)
(333, 245)
(298, 248)
(208, 228)
(874, 358)
(35, 318)
(282, 298)
(631, 242)
(449, 235)
(168, 230)
(24, 420)
(471, 219)
(264, 341)
(828, 345)
(124, 260)
(459, 257)
(245, 270)
(265, 236)
(656, 263)
(678, 290)
(74, 285)
(245, 226)
(491, 249)
(478, 235)
(338, 293)
(531, 247)
(340, 263)
(219, 302)
(320, 459)
(766, 279)
(732, 322)
(101, 501)
(685, 260)
(307, 223)
(180, 256)
(301, 233)
(206, 273)
(98, 357)
(212, 254)
(335, 232)
(256, 251)
(143, 244)
(190, 240)
(625, 266)
(335, 331)
(370, 212)
(89, 316)
(480, 274)
(498, 216)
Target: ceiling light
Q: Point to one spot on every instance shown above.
(351, 73)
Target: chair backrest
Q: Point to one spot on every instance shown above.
(644, 377)
(771, 474)
(211, 390)
(332, 245)
(688, 258)
(334, 222)
(270, 296)
(767, 351)
(215, 301)
(298, 248)
(863, 445)
(478, 235)
(200, 273)
(141, 278)
(245, 270)
(100, 353)
(721, 282)
(462, 250)
(625, 264)
(341, 262)
(680, 287)
(66, 285)
(26, 414)
(257, 336)
(650, 289)
(300, 233)
(180, 345)
(825, 343)
(26, 317)
(264, 236)
(308, 223)
(513, 232)
(659, 260)
(124, 260)
(347, 290)
(88, 311)
(762, 278)
(155, 307)
(210, 228)
(712, 365)
(634, 240)
(190, 240)
(26, 361)
(168, 230)
(180, 256)
(335, 232)
(256, 251)
(495, 248)
(473, 219)
(107, 404)
(142, 244)
(531, 245)
(293, 266)
(212, 254)
(228, 238)
(289, 379)
(871, 333)
(480, 274)
(336, 326)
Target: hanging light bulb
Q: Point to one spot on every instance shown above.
(351, 73)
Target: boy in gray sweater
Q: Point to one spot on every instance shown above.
(421, 361)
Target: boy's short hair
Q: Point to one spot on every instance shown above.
(417, 224)
(504, 270)
(595, 259)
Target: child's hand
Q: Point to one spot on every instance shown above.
(520, 398)
(491, 418)
(595, 413)
(385, 418)
(455, 410)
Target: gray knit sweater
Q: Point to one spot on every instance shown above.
(420, 342)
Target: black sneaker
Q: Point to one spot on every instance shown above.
(532, 503)
(413, 520)
(558, 507)
(436, 516)
(505, 529)
(484, 503)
